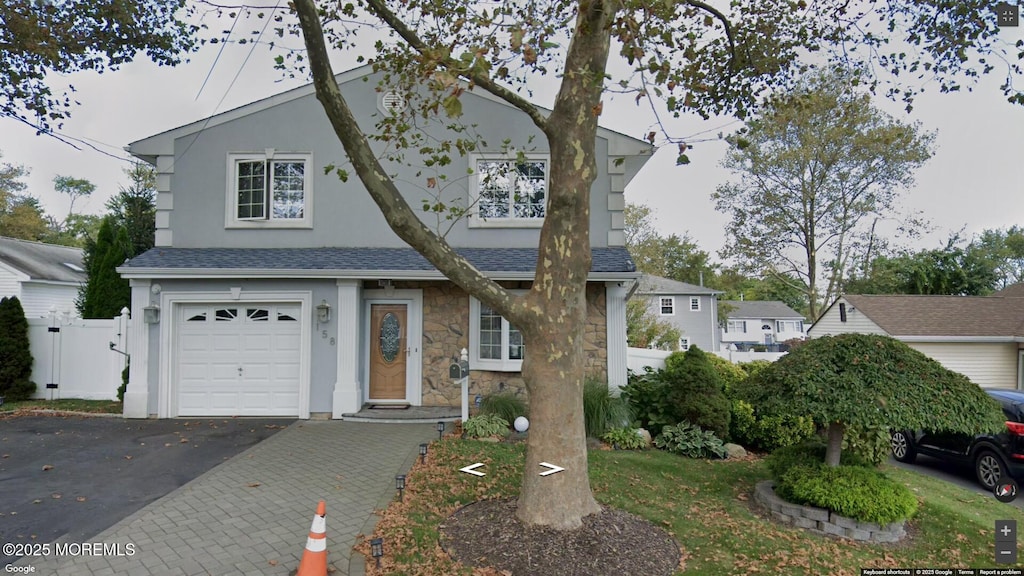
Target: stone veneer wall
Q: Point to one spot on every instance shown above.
(446, 332)
(822, 521)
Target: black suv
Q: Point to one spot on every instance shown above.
(991, 455)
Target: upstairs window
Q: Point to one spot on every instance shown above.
(509, 192)
(273, 189)
(789, 326)
(694, 303)
(668, 306)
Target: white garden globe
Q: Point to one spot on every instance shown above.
(521, 424)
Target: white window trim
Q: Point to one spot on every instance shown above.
(692, 300)
(742, 324)
(661, 307)
(475, 361)
(231, 219)
(475, 221)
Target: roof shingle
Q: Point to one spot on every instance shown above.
(40, 261)
(912, 315)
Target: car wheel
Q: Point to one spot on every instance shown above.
(989, 468)
(902, 449)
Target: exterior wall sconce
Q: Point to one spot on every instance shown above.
(323, 312)
(151, 314)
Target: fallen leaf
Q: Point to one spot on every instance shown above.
(183, 440)
(5, 456)
(127, 457)
(253, 484)
(47, 467)
(55, 496)
(80, 498)
(167, 444)
(272, 562)
(36, 501)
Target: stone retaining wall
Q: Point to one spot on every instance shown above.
(821, 521)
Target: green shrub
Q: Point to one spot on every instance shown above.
(505, 404)
(690, 441)
(15, 352)
(646, 395)
(729, 372)
(767, 433)
(754, 366)
(625, 439)
(603, 411)
(695, 393)
(869, 443)
(853, 491)
(485, 426)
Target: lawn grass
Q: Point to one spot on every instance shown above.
(704, 504)
(67, 405)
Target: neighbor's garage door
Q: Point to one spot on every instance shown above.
(238, 359)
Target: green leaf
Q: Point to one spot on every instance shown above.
(452, 105)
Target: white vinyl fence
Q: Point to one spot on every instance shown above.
(81, 357)
(639, 358)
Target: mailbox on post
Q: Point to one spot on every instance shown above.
(458, 370)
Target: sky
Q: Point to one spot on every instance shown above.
(974, 181)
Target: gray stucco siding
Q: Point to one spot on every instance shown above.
(343, 214)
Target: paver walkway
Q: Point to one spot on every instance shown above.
(251, 515)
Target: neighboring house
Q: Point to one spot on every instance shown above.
(42, 276)
(692, 309)
(278, 289)
(981, 337)
(757, 323)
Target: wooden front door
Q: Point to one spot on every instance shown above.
(388, 351)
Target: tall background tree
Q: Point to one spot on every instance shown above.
(817, 167)
(691, 57)
(134, 206)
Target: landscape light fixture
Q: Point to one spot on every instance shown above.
(423, 453)
(400, 485)
(377, 549)
(440, 430)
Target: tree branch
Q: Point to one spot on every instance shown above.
(725, 22)
(384, 13)
(396, 210)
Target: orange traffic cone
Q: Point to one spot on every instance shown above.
(314, 558)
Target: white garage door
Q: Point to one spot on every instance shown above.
(238, 359)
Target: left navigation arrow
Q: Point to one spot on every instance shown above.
(471, 469)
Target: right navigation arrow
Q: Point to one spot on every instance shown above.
(470, 469)
(553, 469)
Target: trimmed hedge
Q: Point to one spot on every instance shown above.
(856, 492)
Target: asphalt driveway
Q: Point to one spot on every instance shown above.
(77, 476)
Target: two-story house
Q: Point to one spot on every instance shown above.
(751, 324)
(691, 309)
(276, 288)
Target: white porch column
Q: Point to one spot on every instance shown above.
(348, 393)
(136, 396)
(615, 318)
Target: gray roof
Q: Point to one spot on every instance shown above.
(651, 284)
(916, 315)
(491, 260)
(764, 309)
(43, 262)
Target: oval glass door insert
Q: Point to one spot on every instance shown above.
(390, 337)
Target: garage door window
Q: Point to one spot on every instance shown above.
(258, 314)
(226, 314)
(197, 317)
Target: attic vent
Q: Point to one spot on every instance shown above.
(74, 267)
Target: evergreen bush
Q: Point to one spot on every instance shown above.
(695, 392)
(15, 352)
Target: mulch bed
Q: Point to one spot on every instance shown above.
(611, 543)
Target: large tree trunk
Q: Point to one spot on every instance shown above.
(553, 315)
(834, 449)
